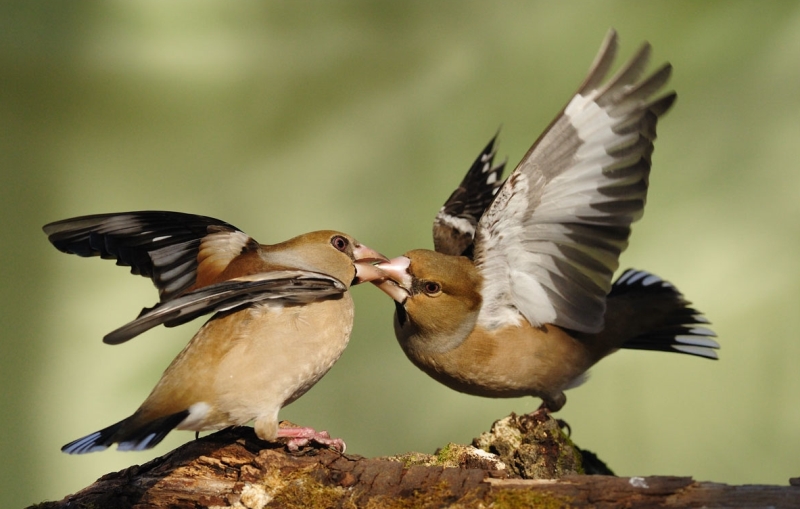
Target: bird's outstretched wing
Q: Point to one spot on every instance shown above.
(167, 247)
(549, 244)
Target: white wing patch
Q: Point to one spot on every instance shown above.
(458, 223)
(548, 245)
(504, 276)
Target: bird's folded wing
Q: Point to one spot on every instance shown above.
(548, 245)
(285, 286)
(165, 246)
(454, 225)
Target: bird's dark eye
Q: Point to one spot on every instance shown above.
(339, 243)
(431, 288)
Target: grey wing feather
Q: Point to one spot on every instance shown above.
(549, 244)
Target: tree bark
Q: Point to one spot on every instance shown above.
(233, 468)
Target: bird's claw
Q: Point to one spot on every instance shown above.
(300, 437)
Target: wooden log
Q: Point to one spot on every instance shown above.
(233, 468)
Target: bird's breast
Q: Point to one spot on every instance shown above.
(252, 362)
(508, 362)
(281, 352)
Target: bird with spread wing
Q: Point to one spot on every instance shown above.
(517, 297)
(282, 315)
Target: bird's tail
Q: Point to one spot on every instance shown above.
(136, 439)
(656, 316)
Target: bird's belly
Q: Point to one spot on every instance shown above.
(521, 361)
(271, 357)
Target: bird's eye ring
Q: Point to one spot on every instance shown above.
(431, 288)
(339, 243)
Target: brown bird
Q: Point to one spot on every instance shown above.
(517, 298)
(282, 317)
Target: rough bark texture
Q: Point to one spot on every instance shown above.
(524, 461)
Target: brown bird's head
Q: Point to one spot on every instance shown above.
(330, 252)
(437, 297)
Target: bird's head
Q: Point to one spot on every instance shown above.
(437, 297)
(330, 252)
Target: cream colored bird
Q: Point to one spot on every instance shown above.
(282, 317)
(517, 299)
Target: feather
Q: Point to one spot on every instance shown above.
(563, 216)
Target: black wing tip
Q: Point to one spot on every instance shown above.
(119, 336)
(80, 227)
(157, 244)
(142, 214)
(133, 328)
(455, 223)
(480, 172)
(489, 148)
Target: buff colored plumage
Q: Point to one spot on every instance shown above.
(282, 315)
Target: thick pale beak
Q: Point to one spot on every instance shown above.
(397, 281)
(365, 264)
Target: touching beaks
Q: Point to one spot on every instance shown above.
(366, 270)
(396, 282)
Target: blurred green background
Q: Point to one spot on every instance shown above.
(287, 117)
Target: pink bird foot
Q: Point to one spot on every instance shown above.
(300, 437)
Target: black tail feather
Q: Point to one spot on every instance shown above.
(94, 442)
(139, 439)
(681, 329)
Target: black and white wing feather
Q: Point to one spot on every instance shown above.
(454, 226)
(285, 286)
(163, 246)
(549, 244)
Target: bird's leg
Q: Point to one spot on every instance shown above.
(542, 410)
(299, 437)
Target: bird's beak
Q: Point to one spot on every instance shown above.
(397, 281)
(365, 264)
